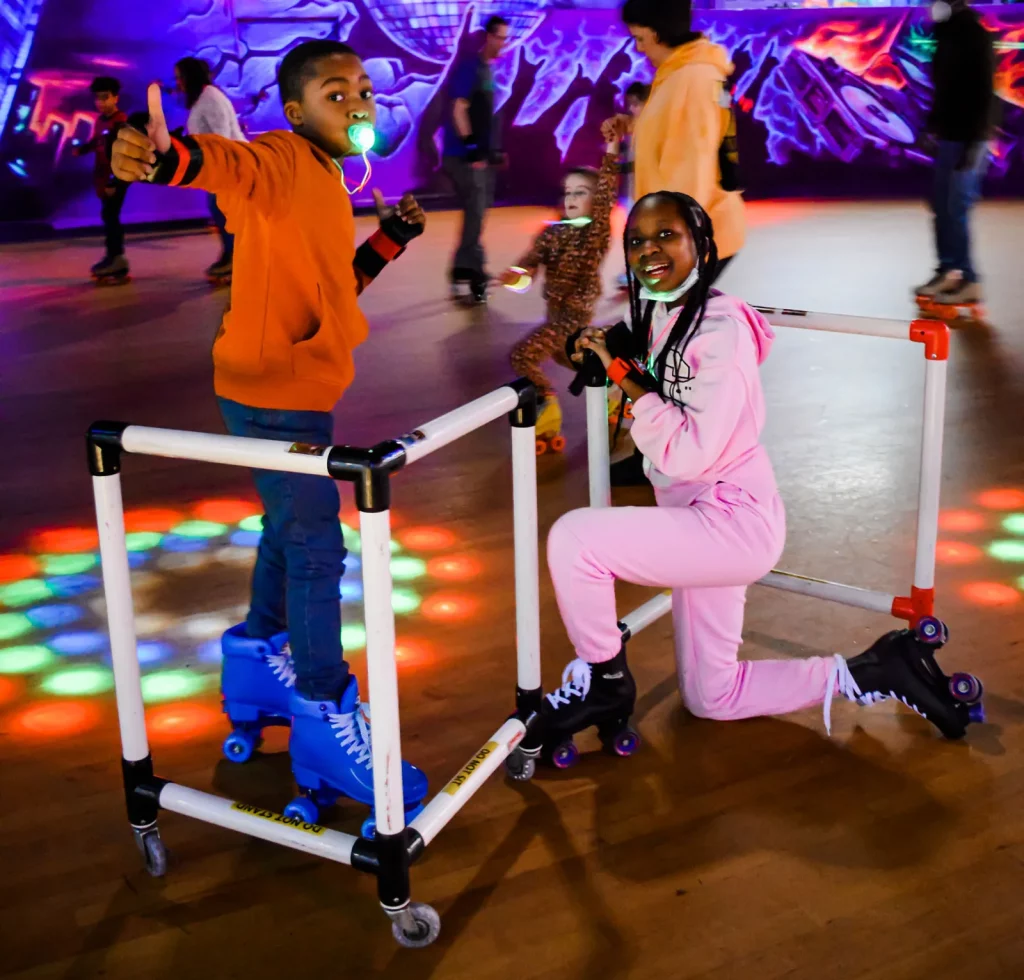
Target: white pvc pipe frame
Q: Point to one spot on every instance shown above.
(928, 489)
(380, 622)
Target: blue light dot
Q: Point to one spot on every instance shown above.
(50, 617)
(246, 539)
(69, 586)
(210, 652)
(351, 592)
(78, 643)
(152, 652)
(177, 542)
(136, 559)
(352, 566)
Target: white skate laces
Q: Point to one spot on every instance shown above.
(839, 676)
(283, 666)
(575, 684)
(353, 731)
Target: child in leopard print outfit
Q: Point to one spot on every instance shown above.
(571, 252)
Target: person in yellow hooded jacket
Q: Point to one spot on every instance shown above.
(684, 139)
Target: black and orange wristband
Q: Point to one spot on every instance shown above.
(180, 165)
(375, 253)
(620, 369)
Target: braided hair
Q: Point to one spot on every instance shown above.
(692, 314)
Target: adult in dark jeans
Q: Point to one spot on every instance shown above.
(961, 121)
(472, 148)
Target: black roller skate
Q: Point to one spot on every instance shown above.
(902, 665)
(478, 288)
(601, 695)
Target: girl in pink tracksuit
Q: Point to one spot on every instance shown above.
(690, 365)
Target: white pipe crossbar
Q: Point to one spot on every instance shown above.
(866, 326)
(257, 822)
(439, 432)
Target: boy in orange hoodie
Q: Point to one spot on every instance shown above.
(684, 139)
(282, 358)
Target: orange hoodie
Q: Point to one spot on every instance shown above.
(679, 132)
(287, 338)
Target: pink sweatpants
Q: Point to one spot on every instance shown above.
(707, 551)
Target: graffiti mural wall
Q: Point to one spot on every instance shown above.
(831, 102)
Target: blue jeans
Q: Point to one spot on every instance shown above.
(956, 191)
(296, 581)
(227, 241)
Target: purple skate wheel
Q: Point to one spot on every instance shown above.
(976, 712)
(966, 688)
(565, 755)
(625, 743)
(931, 631)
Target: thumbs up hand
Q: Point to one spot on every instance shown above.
(134, 153)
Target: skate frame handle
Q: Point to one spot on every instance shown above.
(395, 846)
(934, 336)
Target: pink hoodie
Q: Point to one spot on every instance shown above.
(716, 437)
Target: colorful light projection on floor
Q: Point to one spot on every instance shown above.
(1000, 517)
(55, 674)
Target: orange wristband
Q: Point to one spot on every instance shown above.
(618, 370)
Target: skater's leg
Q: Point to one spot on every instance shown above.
(227, 240)
(702, 547)
(942, 204)
(965, 191)
(470, 191)
(714, 682)
(302, 515)
(541, 345)
(110, 213)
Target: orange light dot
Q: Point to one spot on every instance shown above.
(426, 539)
(990, 594)
(413, 652)
(1002, 499)
(225, 511)
(455, 568)
(961, 520)
(182, 721)
(8, 690)
(956, 553)
(56, 719)
(66, 540)
(14, 567)
(159, 519)
(449, 607)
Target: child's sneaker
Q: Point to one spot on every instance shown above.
(938, 283)
(257, 678)
(331, 757)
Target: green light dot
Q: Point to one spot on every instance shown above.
(199, 529)
(142, 540)
(1014, 523)
(353, 637)
(405, 569)
(395, 546)
(79, 680)
(167, 685)
(404, 601)
(24, 593)
(24, 660)
(67, 564)
(351, 536)
(13, 624)
(254, 523)
(1007, 550)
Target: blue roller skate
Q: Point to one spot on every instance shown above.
(331, 757)
(257, 678)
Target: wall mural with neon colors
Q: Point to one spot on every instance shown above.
(55, 674)
(832, 103)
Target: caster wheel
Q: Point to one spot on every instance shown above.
(426, 926)
(302, 808)
(565, 756)
(153, 852)
(520, 767)
(976, 713)
(240, 745)
(932, 631)
(557, 444)
(966, 688)
(623, 744)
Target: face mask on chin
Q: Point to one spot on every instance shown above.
(676, 294)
